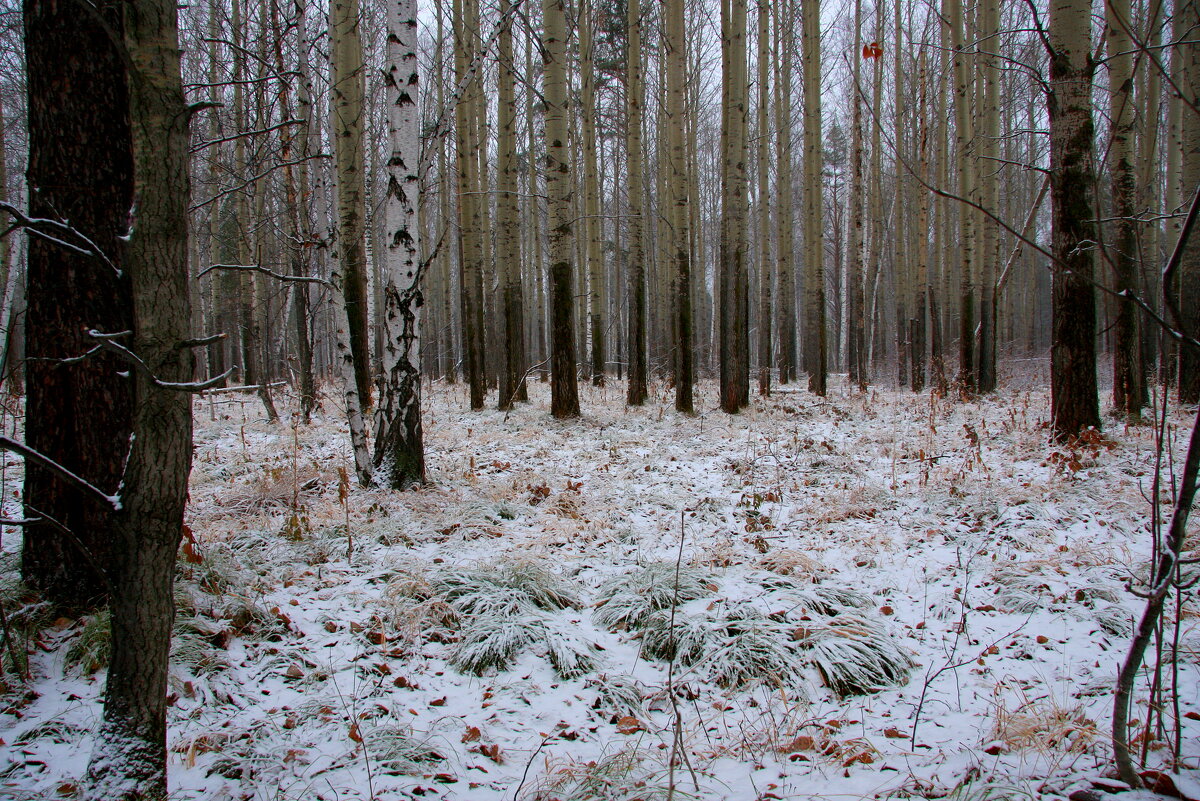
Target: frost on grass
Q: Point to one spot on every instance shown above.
(781, 626)
(856, 656)
(396, 751)
(617, 693)
(629, 774)
(495, 611)
(627, 602)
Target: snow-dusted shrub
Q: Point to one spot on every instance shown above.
(855, 656)
(26, 616)
(626, 602)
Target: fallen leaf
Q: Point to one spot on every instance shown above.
(629, 725)
(471, 734)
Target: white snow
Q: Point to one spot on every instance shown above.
(993, 559)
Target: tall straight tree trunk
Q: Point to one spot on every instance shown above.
(964, 154)
(815, 343)
(512, 376)
(634, 97)
(764, 205)
(920, 319)
(347, 87)
(399, 446)
(81, 414)
(469, 203)
(678, 236)
(130, 757)
(903, 271)
(785, 266)
(856, 274)
(735, 345)
(1128, 386)
(1073, 402)
(1187, 28)
(564, 392)
(594, 225)
(989, 193)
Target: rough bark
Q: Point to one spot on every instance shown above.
(1073, 402)
(764, 205)
(564, 392)
(678, 237)
(594, 225)
(512, 376)
(1128, 386)
(347, 86)
(815, 328)
(634, 96)
(129, 760)
(81, 414)
(735, 350)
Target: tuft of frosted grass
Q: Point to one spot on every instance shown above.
(754, 648)
(571, 655)
(395, 750)
(617, 693)
(90, 650)
(491, 641)
(856, 656)
(629, 774)
(475, 590)
(825, 599)
(688, 641)
(626, 602)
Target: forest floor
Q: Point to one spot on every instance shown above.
(871, 596)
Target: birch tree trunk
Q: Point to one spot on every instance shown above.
(989, 192)
(399, 449)
(964, 153)
(130, 757)
(1073, 402)
(469, 202)
(634, 98)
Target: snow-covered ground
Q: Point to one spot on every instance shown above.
(571, 608)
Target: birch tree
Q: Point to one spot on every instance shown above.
(399, 450)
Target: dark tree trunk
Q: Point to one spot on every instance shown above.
(80, 171)
(129, 761)
(1074, 404)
